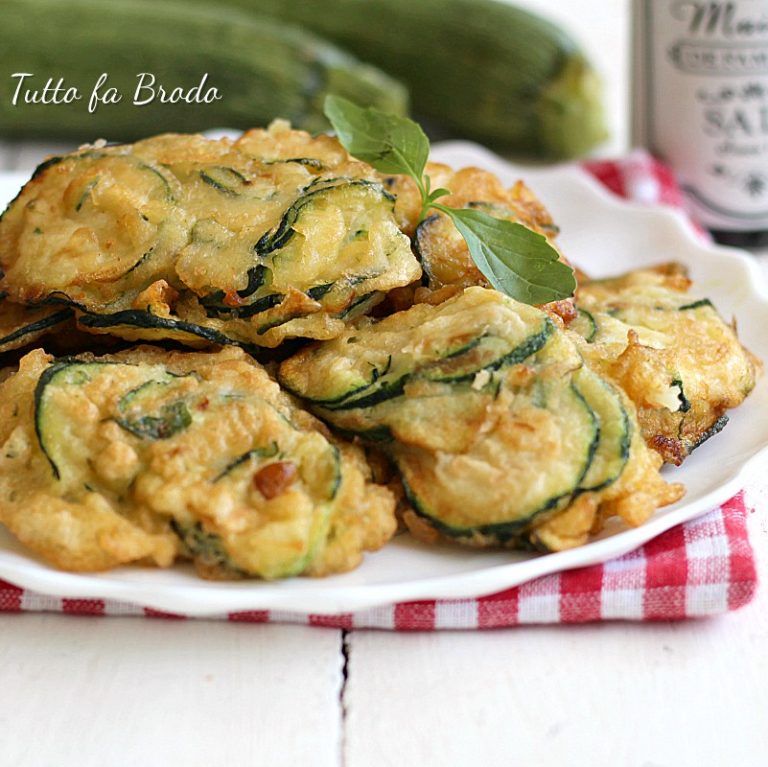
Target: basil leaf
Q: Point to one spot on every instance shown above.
(391, 144)
(514, 259)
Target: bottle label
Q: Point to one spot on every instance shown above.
(706, 104)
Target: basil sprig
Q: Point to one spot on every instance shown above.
(514, 259)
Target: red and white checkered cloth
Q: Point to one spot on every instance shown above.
(703, 567)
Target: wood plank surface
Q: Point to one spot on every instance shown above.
(125, 692)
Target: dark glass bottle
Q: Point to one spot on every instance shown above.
(700, 103)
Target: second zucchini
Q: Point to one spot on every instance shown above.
(261, 68)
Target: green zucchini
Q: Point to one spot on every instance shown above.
(205, 547)
(215, 308)
(325, 192)
(439, 416)
(151, 327)
(674, 355)
(361, 305)
(281, 256)
(141, 171)
(310, 162)
(51, 431)
(471, 505)
(319, 291)
(240, 242)
(15, 335)
(585, 325)
(434, 242)
(479, 69)
(460, 366)
(696, 305)
(261, 69)
(270, 451)
(685, 404)
(225, 180)
(245, 489)
(614, 430)
(152, 409)
(716, 428)
(477, 331)
(427, 377)
(164, 419)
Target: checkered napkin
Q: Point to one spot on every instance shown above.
(702, 567)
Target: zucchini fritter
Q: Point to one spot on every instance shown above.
(148, 455)
(273, 236)
(445, 259)
(673, 355)
(500, 432)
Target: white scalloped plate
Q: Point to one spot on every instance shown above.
(601, 234)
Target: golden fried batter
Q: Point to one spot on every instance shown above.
(445, 258)
(148, 455)
(500, 432)
(273, 236)
(673, 355)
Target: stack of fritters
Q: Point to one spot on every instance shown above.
(500, 423)
(500, 433)
(276, 235)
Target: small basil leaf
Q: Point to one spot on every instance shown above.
(391, 144)
(514, 259)
(436, 194)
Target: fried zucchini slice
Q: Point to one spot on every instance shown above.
(147, 456)
(492, 448)
(466, 495)
(376, 361)
(273, 236)
(21, 326)
(447, 264)
(673, 355)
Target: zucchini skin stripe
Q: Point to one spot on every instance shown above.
(395, 389)
(503, 532)
(140, 319)
(278, 238)
(716, 428)
(45, 379)
(527, 348)
(46, 322)
(514, 530)
(696, 305)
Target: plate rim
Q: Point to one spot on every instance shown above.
(199, 600)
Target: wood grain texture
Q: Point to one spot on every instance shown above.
(132, 691)
(684, 695)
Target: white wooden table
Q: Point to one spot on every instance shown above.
(124, 691)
